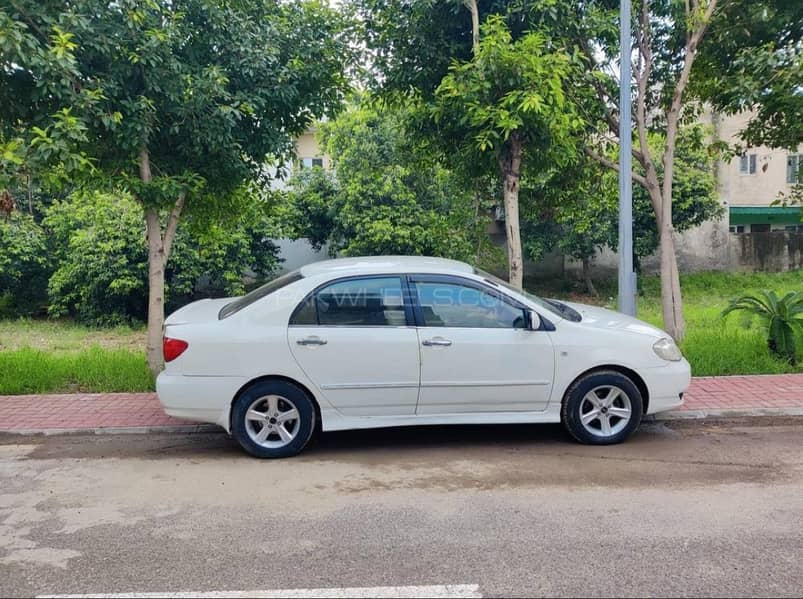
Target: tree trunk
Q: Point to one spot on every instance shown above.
(159, 246)
(29, 186)
(671, 300)
(587, 277)
(156, 285)
(510, 164)
(475, 25)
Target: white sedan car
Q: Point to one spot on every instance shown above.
(396, 341)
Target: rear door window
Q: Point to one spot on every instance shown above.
(369, 301)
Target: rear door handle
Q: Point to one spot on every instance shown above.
(437, 342)
(311, 341)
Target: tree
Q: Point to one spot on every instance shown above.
(667, 38)
(385, 195)
(492, 85)
(752, 59)
(186, 100)
(508, 103)
(40, 133)
(582, 201)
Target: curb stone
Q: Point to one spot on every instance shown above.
(212, 428)
(724, 413)
(116, 430)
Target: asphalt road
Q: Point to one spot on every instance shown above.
(682, 509)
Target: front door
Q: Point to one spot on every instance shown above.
(352, 339)
(476, 353)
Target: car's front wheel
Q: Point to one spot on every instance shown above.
(602, 408)
(273, 419)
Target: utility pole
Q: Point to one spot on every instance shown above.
(627, 278)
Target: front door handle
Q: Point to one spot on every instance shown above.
(311, 341)
(436, 342)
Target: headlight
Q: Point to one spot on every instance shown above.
(666, 349)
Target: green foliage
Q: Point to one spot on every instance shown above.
(99, 249)
(386, 196)
(574, 208)
(781, 317)
(752, 58)
(509, 87)
(577, 207)
(40, 134)
(24, 265)
(209, 87)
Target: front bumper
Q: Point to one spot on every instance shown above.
(666, 385)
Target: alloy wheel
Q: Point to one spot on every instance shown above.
(605, 411)
(272, 421)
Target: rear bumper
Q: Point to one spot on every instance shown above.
(198, 398)
(666, 385)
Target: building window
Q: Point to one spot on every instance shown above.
(747, 164)
(736, 228)
(760, 228)
(793, 164)
(310, 162)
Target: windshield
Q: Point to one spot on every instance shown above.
(259, 293)
(533, 298)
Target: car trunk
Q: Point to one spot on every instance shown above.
(200, 311)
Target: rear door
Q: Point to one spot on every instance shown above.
(476, 353)
(355, 339)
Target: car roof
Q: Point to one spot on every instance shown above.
(385, 264)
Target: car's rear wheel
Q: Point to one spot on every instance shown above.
(273, 419)
(602, 408)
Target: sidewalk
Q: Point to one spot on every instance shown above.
(138, 412)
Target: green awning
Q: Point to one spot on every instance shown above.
(780, 215)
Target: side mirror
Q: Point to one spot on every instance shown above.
(533, 320)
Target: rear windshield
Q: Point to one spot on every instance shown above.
(258, 293)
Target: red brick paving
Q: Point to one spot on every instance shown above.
(82, 411)
(125, 410)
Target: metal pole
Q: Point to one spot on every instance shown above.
(627, 278)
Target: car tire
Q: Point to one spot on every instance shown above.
(278, 400)
(600, 397)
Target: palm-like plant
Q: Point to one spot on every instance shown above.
(782, 318)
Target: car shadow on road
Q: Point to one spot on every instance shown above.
(421, 438)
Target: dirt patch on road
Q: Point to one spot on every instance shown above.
(480, 458)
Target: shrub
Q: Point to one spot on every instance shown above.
(24, 266)
(98, 242)
(781, 317)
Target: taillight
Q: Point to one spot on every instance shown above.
(173, 348)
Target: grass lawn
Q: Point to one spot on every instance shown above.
(54, 356)
(46, 356)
